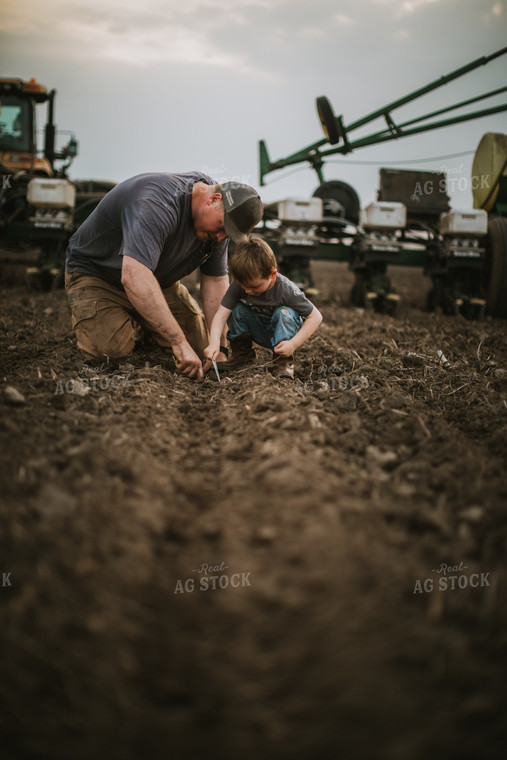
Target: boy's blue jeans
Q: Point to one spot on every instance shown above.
(285, 323)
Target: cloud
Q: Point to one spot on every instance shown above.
(162, 83)
(409, 6)
(312, 31)
(139, 45)
(342, 19)
(135, 33)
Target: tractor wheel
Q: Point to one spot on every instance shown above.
(474, 311)
(496, 267)
(345, 194)
(390, 306)
(328, 120)
(359, 295)
(449, 305)
(431, 300)
(39, 279)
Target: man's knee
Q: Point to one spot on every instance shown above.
(181, 303)
(100, 340)
(196, 332)
(102, 330)
(189, 316)
(101, 318)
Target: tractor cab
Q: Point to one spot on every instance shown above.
(19, 151)
(40, 206)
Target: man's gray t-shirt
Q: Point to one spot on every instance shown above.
(283, 293)
(149, 218)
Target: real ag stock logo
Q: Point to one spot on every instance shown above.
(451, 578)
(212, 578)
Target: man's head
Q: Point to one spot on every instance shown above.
(228, 210)
(253, 265)
(242, 210)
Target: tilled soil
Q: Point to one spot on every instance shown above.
(255, 568)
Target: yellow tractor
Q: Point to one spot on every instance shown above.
(40, 207)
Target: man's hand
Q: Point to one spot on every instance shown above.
(187, 361)
(285, 348)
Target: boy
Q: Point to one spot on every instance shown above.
(261, 305)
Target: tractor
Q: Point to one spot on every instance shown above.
(40, 207)
(462, 251)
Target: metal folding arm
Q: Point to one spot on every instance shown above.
(315, 156)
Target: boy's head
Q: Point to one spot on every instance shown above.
(253, 265)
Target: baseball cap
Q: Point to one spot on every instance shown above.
(243, 209)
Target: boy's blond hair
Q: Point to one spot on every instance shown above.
(251, 259)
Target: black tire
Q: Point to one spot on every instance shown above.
(449, 306)
(496, 267)
(442, 298)
(38, 280)
(93, 186)
(472, 311)
(391, 307)
(328, 119)
(357, 295)
(337, 190)
(431, 300)
(59, 280)
(89, 193)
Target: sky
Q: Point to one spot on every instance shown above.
(175, 85)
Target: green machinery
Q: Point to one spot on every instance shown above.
(40, 207)
(464, 253)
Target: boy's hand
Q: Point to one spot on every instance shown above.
(284, 348)
(212, 351)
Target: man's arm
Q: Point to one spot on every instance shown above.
(287, 347)
(213, 290)
(145, 295)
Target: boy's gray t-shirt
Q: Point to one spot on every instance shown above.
(149, 218)
(283, 293)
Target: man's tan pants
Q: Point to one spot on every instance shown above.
(108, 327)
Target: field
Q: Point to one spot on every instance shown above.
(255, 568)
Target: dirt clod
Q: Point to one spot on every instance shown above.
(14, 396)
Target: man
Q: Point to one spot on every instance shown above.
(124, 264)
